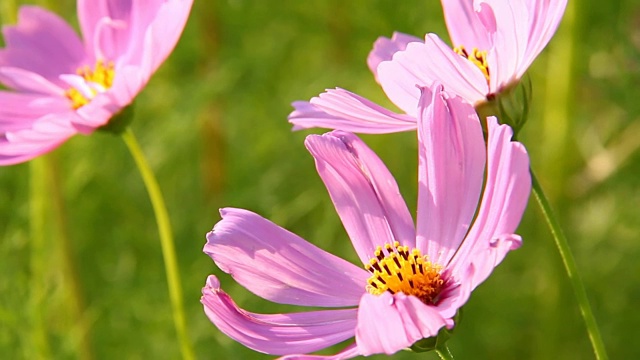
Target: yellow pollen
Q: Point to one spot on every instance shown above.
(402, 271)
(102, 75)
(477, 57)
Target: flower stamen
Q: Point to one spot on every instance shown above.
(477, 57)
(98, 79)
(395, 269)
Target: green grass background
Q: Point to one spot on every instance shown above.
(212, 121)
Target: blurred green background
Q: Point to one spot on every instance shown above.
(212, 121)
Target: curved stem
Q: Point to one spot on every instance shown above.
(166, 241)
(572, 271)
(444, 353)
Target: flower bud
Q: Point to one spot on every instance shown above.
(510, 106)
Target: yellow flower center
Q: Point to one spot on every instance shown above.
(477, 57)
(395, 269)
(98, 79)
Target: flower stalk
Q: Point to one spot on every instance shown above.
(444, 353)
(76, 303)
(166, 241)
(572, 271)
(37, 221)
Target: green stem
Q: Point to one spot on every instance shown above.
(166, 241)
(444, 353)
(39, 253)
(8, 12)
(76, 306)
(571, 269)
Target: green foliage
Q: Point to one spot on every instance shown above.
(212, 121)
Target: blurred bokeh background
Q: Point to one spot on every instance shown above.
(212, 121)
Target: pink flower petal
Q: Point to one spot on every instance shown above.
(486, 258)
(134, 33)
(27, 81)
(19, 111)
(126, 85)
(344, 110)
(389, 323)
(138, 33)
(451, 167)
(505, 197)
(105, 26)
(278, 334)
(44, 135)
(96, 113)
(280, 266)
(510, 43)
(162, 34)
(421, 64)
(456, 295)
(363, 191)
(545, 15)
(349, 352)
(41, 43)
(384, 48)
(464, 25)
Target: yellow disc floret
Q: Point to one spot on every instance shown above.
(402, 271)
(477, 57)
(98, 78)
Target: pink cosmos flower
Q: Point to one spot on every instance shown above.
(415, 278)
(495, 42)
(61, 85)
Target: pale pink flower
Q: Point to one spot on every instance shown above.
(61, 85)
(495, 43)
(433, 266)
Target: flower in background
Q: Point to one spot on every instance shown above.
(495, 43)
(415, 278)
(60, 85)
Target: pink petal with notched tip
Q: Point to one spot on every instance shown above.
(344, 110)
(363, 192)
(280, 266)
(452, 157)
(465, 25)
(384, 48)
(278, 334)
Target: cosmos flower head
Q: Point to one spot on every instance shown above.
(60, 85)
(494, 43)
(412, 279)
